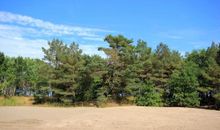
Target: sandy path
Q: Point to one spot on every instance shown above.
(114, 118)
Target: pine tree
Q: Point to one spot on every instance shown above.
(118, 60)
(90, 77)
(66, 62)
(164, 62)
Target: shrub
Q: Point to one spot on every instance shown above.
(182, 87)
(148, 96)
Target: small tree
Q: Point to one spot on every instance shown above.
(148, 96)
(182, 87)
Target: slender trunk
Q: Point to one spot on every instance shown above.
(13, 91)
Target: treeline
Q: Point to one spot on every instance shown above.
(131, 73)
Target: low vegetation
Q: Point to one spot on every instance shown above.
(132, 73)
(16, 101)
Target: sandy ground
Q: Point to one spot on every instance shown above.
(113, 118)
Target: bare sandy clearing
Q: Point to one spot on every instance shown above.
(123, 118)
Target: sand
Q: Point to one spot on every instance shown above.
(112, 118)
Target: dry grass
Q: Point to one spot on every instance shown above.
(16, 101)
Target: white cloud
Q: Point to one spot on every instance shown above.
(25, 36)
(7, 17)
(18, 46)
(22, 47)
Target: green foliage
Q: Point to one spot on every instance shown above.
(101, 97)
(209, 72)
(182, 87)
(66, 76)
(90, 77)
(164, 62)
(148, 96)
(117, 64)
(66, 62)
(217, 100)
(41, 77)
(7, 77)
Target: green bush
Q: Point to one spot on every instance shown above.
(182, 87)
(148, 96)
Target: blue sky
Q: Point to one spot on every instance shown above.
(27, 25)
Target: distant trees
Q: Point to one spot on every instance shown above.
(18, 76)
(131, 73)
